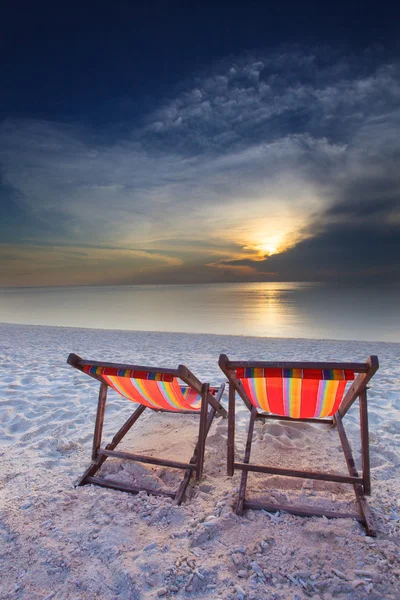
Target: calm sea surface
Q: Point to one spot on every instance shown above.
(305, 310)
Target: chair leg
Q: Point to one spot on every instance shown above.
(231, 430)
(358, 489)
(366, 469)
(208, 418)
(188, 473)
(202, 431)
(98, 428)
(243, 481)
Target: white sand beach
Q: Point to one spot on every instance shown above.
(87, 543)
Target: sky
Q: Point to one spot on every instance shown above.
(191, 142)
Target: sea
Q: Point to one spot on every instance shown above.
(279, 310)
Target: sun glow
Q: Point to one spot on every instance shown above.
(269, 249)
(275, 238)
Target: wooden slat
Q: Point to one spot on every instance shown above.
(365, 510)
(346, 447)
(304, 420)
(202, 430)
(175, 412)
(223, 361)
(185, 481)
(219, 394)
(76, 361)
(125, 428)
(114, 485)
(91, 470)
(301, 511)
(366, 468)
(301, 474)
(98, 428)
(243, 481)
(145, 459)
(187, 376)
(231, 431)
(255, 364)
(241, 391)
(358, 489)
(215, 401)
(180, 493)
(73, 359)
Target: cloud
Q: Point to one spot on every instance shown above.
(287, 150)
(25, 265)
(251, 100)
(347, 252)
(357, 238)
(120, 192)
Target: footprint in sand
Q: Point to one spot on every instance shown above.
(288, 431)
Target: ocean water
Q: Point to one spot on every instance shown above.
(288, 310)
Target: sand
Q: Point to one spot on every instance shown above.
(61, 542)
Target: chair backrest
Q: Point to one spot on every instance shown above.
(298, 390)
(295, 393)
(154, 387)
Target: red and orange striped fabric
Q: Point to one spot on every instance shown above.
(155, 390)
(296, 393)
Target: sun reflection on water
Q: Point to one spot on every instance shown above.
(292, 309)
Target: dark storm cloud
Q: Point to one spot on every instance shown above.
(346, 252)
(357, 239)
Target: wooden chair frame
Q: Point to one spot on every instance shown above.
(361, 483)
(210, 405)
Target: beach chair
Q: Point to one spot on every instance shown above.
(160, 390)
(316, 392)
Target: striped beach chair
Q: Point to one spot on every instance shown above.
(158, 389)
(315, 392)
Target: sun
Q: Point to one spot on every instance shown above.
(263, 249)
(268, 241)
(269, 248)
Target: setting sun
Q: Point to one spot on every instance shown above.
(276, 234)
(269, 249)
(276, 244)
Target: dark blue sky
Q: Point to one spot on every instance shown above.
(270, 124)
(91, 60)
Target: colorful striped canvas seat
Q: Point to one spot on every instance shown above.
(155, 390)
(295, 393)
